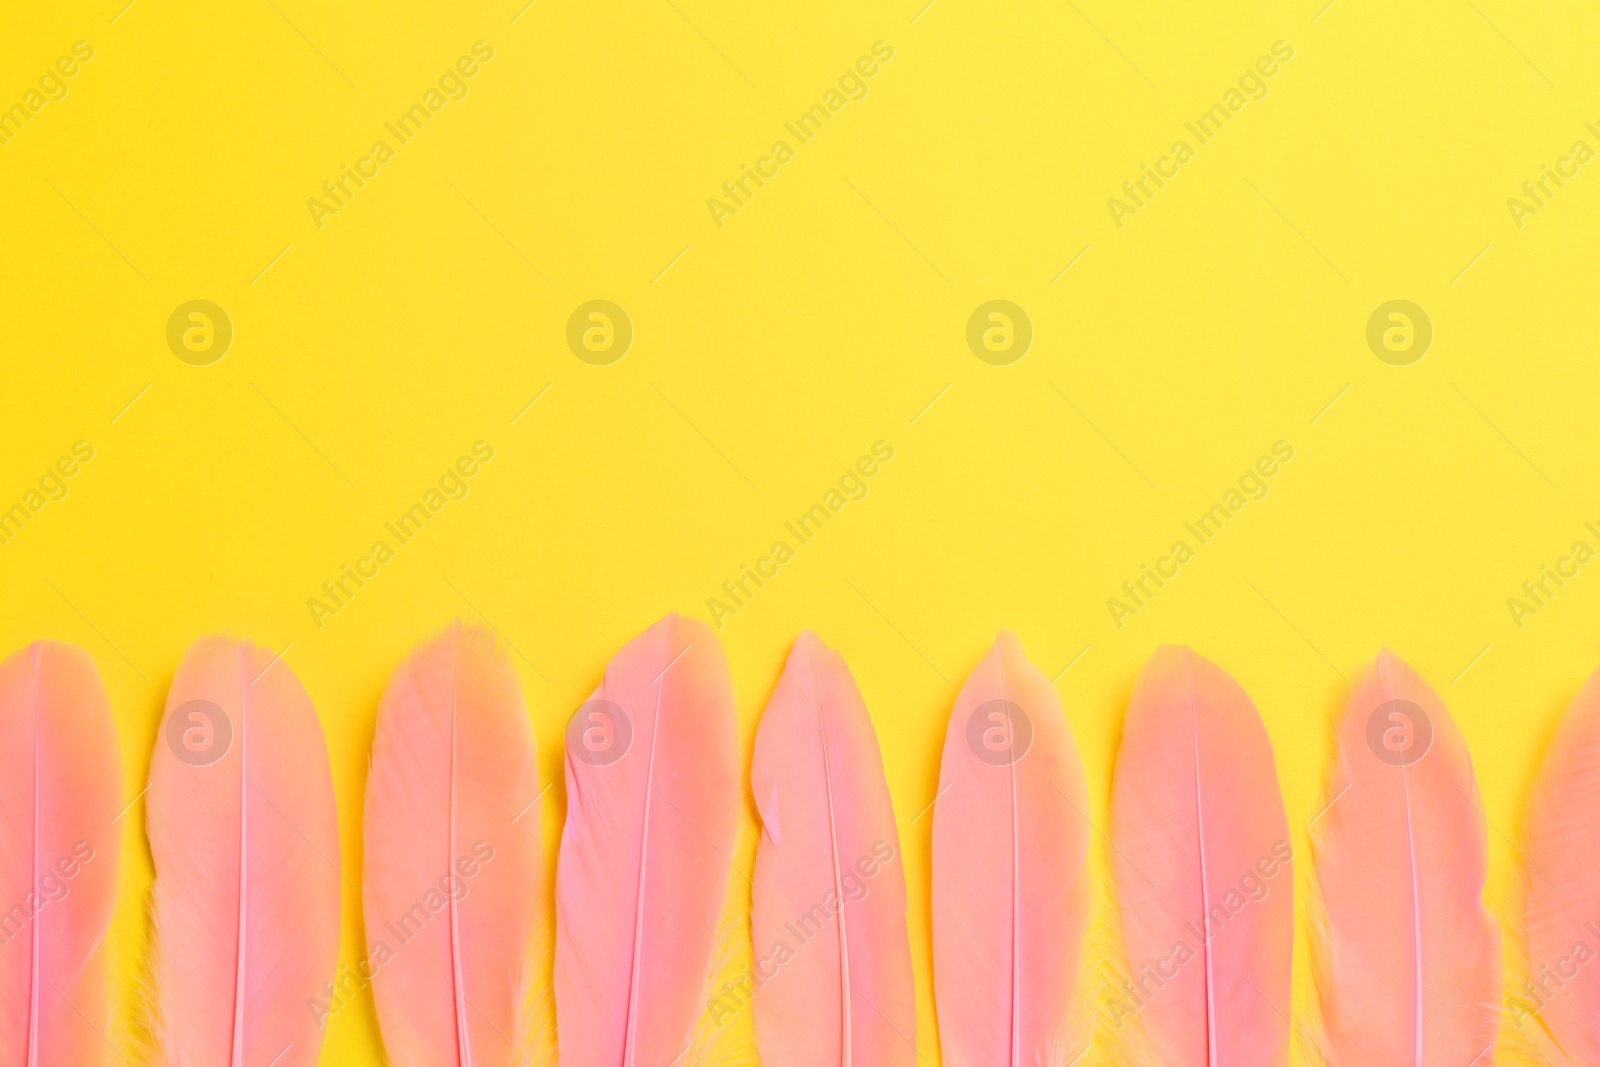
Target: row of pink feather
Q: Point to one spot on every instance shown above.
(243, 832)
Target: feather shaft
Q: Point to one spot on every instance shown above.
(1009, 825)
(652, 789)
(1202, 866)
(1408, 957)
(453, 778)
(829, 854)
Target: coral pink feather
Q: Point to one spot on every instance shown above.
(1563, 885)
(1203, 872)
(245, 839)
(452, 866)
(652, 793)
(828, 911)
(1409, 960)
(1010, 898)
(60, 790)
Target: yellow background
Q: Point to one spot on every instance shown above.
(823, 317)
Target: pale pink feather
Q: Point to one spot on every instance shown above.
(60, 790)
(828, 907)
(1563, 886)
(245, 841)
(452, 867)
(1203, 870)
(652, 793)
(1409, 959)
(1010, 897)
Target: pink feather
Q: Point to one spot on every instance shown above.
(60, 790)
(652, 793)
(1409, 959)
(828, 910)
(245, 839)
(453, 864)
(1563, 885)
(1010, 897)
(1203, 872)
